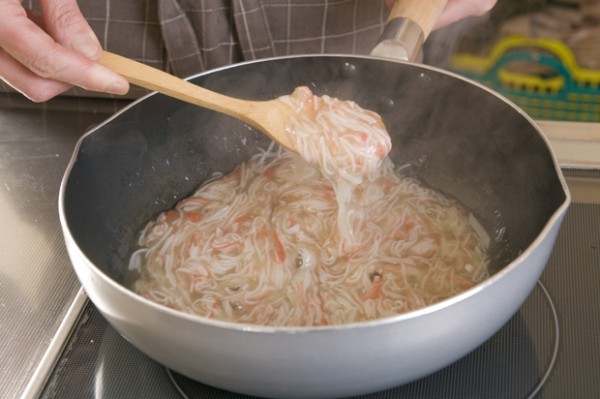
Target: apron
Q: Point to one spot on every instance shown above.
(202, 35)
(186, 37)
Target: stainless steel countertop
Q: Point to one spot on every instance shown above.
(37, 282)
(39, 292)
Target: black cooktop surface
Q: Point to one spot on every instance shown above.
(549, 349)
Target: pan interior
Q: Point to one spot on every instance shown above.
(453, 135)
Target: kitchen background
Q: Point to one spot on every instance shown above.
(543, 55)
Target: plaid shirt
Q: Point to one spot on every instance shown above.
(189, 36)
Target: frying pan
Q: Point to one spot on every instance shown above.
(453, 134)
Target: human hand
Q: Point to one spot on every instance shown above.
(43, 55)
(456, 10)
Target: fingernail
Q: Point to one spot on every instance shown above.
(117, 87)
(100, 78)
(87, 45)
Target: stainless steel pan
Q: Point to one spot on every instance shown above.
(456, 135)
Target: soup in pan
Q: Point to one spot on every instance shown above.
(262, 245)
(341, 238)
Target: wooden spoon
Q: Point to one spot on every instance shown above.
(410, 22)
(271, 117)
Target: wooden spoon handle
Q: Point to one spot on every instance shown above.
(409, 24)
(423, 12)
(157, 80)
(270, 117)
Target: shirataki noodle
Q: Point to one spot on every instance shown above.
(263, 245)
(346, 141)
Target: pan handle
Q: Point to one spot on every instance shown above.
(409, 24)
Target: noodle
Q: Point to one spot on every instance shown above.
(338, 239)
(346, 141)
(265, 245)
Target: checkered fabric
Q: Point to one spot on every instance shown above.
(189, 36)
(202, 35)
